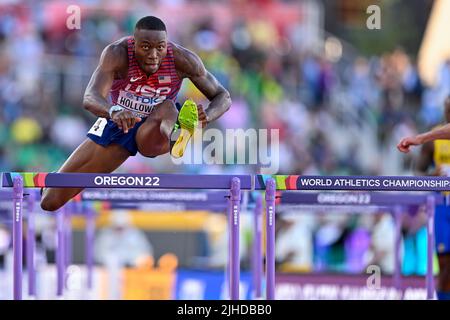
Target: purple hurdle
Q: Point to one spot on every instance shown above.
(398, 239)
(257, 267)
(235, 202)
(31, 246)
(89, 245)
(60, 252)
(68, 235)
(376, 199)
(430, 247)
(233, 183)
(270, 239)
(17, 237)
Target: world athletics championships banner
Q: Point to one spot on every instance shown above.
(391, 183)
(258, 182)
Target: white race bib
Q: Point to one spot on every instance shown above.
(98, 127)
(140, 106)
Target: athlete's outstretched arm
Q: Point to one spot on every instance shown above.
(189, 65)
(440, 133)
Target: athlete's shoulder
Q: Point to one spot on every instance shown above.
(115, 55)
(187, 62)
(118, 48)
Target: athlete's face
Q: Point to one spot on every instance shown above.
(150, 49)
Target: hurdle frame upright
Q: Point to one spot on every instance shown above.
(175, 201)
(355, 183)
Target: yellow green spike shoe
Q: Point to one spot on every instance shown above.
(187, 122)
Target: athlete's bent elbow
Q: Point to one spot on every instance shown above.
(228, 101)
(86, 103)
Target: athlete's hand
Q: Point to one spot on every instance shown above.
(125, 120)
(202, 116)
(438, 171)
(405, 144)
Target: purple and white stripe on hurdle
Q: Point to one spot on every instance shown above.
(177, 200)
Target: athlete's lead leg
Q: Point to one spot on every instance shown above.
(153, 136)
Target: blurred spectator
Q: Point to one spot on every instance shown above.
(26, 130)
(294, 245)
(382, 250)
(329, 251)
(5, 241)
(414, 231)
(122, 242)
(120, 246)
(68, 132)
(356, 247)
(219, 238)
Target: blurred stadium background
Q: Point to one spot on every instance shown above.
(340, 94)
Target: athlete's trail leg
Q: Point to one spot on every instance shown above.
(89, 157)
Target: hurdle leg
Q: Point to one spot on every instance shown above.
(257, 254)
(235, 254)
(228, 265)
(17, 237)
(68, 238)
(430, 247)
(89, 247)
(31, 247)
(397, 262)
(60, 256)
(270, 239)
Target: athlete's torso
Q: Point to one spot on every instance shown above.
(441, 154)
(139, 93)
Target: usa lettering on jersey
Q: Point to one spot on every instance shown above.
(139, 93)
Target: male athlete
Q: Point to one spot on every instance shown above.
(133, 92)
(435, 155)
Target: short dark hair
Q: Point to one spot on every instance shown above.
(151, 23)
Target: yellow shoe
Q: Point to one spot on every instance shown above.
(187, 122)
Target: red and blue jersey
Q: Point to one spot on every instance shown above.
(139, 93)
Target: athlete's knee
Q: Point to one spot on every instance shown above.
(169, 104)
(167, 107)
(155, 150)
(50, 203)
